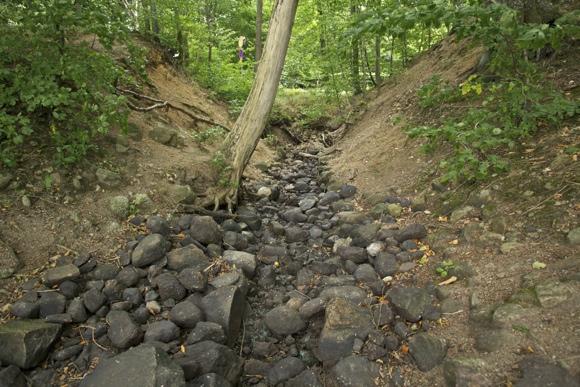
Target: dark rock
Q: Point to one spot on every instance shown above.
(283, 321)
(540, 372)
(140, 315)
(210, 380)
(151, 249)
(187, 257)
(142, 366)
(186, 315)
(205, 230)
(133, 295)
(235, 241)
(169, 287)
(355, 254)
(306, 378)
(158, 225)
(351, 293)
(410, 303)
(51, 303)
(93, 300)
(61, 318)
(294, 215)
(356, 371)
(347, 191)
(285, 369)
(465, 372)
(382, 314)
(366, 274)
(60, 274)
(242, 260)
(190, 367)
(206, 330)
(11, 376)
(123, 331)
(69, 289)
(67, 353)
(412, 231)
(311, 308)
(163, 331)
(427, 351)
(25, 309)
(250, 217)
(230, 225)
(105, 271)
(225, 306)
(193, 280)
(25, 343)
(329, 198)
(9, 261)
(296, 234)
(218, 359)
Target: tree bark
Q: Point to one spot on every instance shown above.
(259, 16)
(241, 142)
(378, 77)
(155, 17)
(355, 57)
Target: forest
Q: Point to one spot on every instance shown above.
(289, 193)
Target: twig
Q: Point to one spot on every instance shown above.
(68, 250)
(93, 336)
(243, 336)
(545, 200)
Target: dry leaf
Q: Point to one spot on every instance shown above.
(448, 281)
(454, 242)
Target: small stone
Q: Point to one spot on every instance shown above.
(151, 249)
(218, 359)
(193, 280)
(285, 369)
(93, 300)
(163, 331)
(242, 260)
(311, 308)
(427, 351)
(412, 231)
(351, 293)
(508, 247)
(410, 303)
(169, 287)
(26, 201)
(157, 225)
(461, 213)
(60, 274)
(123, 331)
(264, 192)
(186, 314)
(187, 257)
(51, 303)
(205, 230)
(356, 371)
(375, 248)
(206, 330)
(284, 321)
(574, 236)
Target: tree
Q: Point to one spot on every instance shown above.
(241, 142)
(259, 15)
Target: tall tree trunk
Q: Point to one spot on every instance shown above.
(355, 57)
(378, 77)
(259, 16)
(155, 19)
(241, 142)
(391, 58)
(146, 15)
(182, 45)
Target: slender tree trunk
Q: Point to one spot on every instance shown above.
(181, 39)
(391, 59)
(378, 77)
(241, 142)
(355, 57)
(259, 16)
(155, 19)
(368, 64)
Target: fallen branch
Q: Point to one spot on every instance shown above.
(163, 104)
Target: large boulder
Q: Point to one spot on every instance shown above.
(205, 230)
(410, 303)
(216, 358)
(123, 330)
(427, 351)
(25, 343)
(284, 321)
(225, 306)
(187, 257)
(151, 249)
(142, 366)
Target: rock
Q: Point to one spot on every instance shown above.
(351, 293)
(386, 264)
(506, 315)
(186, 314)
(26, 201)
(492, 340)
(59, 274)
(574, 236)
(311, 308)
(539, 372)
(105, 271)
(356, 371)
(343, 323)
(123, 331)
(77, 310)
(553, 293)
(218, 359)
(25, 309)
(284, 321)
(264, 192)
(165, 135)
(128, 276)
(307, 203)
(25, 343)
(206, 330)
(169, 287)
(410, 303)
(347, 191)
(242, 260)
(427, 351)
(394, 209)
(412, 231)
(382, 314)
(285, 369)
(143, 203)
(179, 193)
(151, 249)
(142, 366)
(93, 299)
(210, 380)
(205, 230)
(9, 262)
(187, 257)
(296, 234)
(5, 179)
(119, 206)
(11, 376)
(508, 247)
(329, 198)
(366, 274)
(157, 225)
(108, 178)
(51, 303)
(461, 213)
(193, 280)
(355, 254)
(305, 379)
(375, 248)
(163, 331)
(225, 306)
(466, 372)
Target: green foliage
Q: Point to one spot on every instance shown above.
(210, 135)
(505, 112)
(55, 81)
(444, 267)
(223, 169)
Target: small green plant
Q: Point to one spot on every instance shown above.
(223, 169)
(436, 92)
(444, 267)
(210, 135)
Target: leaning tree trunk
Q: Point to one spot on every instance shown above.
(259, 16)
(242, 140)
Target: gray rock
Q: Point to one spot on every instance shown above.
(311, 308)
(294, 215)
(553, 293)
(123, 331)
(306, 378)
(462, 212)
(210, 380)
(186, 314)
(5, 179)
(193, 280)
(77, 310)
(119, 206)
(234, 240)
(158, 225)
(296, 234)
(366, 274)
(9, 262)
(386, 264)
(163, 331)
(329, 198)
(347, 191)
(218, 359)
(344, 322)
(59, 274)
(574, 236)
(93, 299)
(151, 249)
(540, 372)
(307, 203)
(427, 351)
(356, 371)
(412, 231)
(108, 178)
(506, 315)
(11, 376)
(51, 303)
(25, 343)
(206, 330)
(355, 254)
(351, 293)
(285, 369)
(128, 276)
(466, 372)
(492, 340)
(187, 257)
(180, 193)
(284, 321)
(165, 135)
(242, 260)
(205, 230)
(25, 309)
(105, 271)
(382, 314)
(169, 287)
(410, 303)
(225, 306)
(142, 366)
